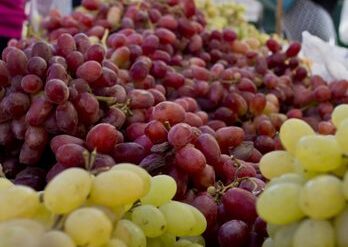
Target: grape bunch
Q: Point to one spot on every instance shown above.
(305, 202)
(123, 206)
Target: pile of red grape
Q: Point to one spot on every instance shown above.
(163, 93)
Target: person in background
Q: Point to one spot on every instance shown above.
(11, 22)
(313, 16)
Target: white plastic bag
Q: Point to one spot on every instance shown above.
(343, 28)
(328, 61)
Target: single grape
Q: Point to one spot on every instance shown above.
(67, 191)
(180, 135)
(56, 91)
(179, 217)
(116, 187)
(329, 189)
(234, 231)
(130, 234)
(278, 199)
(319, 153)
(162, 190)
(88, 226)
(56, 239)
(190, 159)
(150, 219)
(71, 155)
(314, 233)
(102, 137)
(276, 163)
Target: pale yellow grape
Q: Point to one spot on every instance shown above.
(15, 236)
(196, 245)
(162, 190)
(44, 216)
(182, 243)
(130, 234)
(167, 239)
(272, 229)
(322, 197)
(32, 226)
(5, 183)
(115, 243)
(268, 243)
(195, 239)
(340, 171)
(18, 201)
(150, 219)
(201, 223)
(119, 212)
(284, 236)
(304, 173)
(319, 153)
(142, 173)
(88, 226)
(116, 187)
(345, 186)
(276, 163)
(292, 131)
(341, 229)
(314, 233)
(67, 191)
(279, 204)
(342, 136)
(56, 239)
(180, 219)
(287, 178)
(109, 213)
(339, 114)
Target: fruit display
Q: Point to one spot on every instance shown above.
(229, 14)
(165, 93)
(305, 200)
(78, 208)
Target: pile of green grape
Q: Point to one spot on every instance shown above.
(305, 202)
(121, 207)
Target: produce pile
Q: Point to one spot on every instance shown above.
(79, 209)
(305, 201)
(152, 86)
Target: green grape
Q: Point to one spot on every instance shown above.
(115, 243)
(142, 173)
(67, 191)
(292, 131)
(287, 178)
(16, 236)
(345, 186)
(182, 243)
(268, 243)
(279, 204)
(88, 226)
(32, 226)
(339, 114)
(314, 233)
(130, 234)
(272, 229)
(180, 218)
(150, 219)
(5, 183)
(304, 173)
(153, 242)
(341, 229)
(322, 197)
(284, 236)
(116, 187)
(44, 216)
(167, 239)
(201, 223)
(340, 171)
(162, 190)
(18, 201)
(319, 153)
(342, 136)
(276, 163)
(195, 239)
(56, 239)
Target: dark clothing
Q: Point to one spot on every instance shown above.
(3, 43)
(329, 5)
(76, 3)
